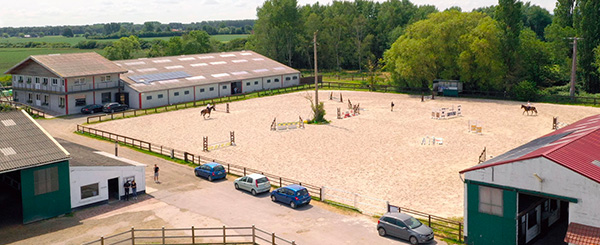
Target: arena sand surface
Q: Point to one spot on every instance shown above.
(377, 154)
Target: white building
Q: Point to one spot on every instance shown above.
(546, 191)
(64, 83)
(98, 177)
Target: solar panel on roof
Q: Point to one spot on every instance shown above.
(148, 78)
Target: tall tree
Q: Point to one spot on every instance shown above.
(68, 32)
(536, 18)
(123, 48)
(564, 12)
(277, 28)
(589, 30)
(509, 17)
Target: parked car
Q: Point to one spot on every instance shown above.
(254, 183)
(114, 107)
(294, 195)
(88, 109)
(405, 227)
(211, 171)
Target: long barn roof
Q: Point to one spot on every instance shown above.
(25, 144)
(153, 74)
(576, 147)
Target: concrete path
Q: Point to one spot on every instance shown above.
(213, 202)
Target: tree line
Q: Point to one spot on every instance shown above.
(511, 46)
(123, 29)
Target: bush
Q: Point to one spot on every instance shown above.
(525, 91)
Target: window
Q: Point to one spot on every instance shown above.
(176, 94)
(62, 82)
(248, 84)
(88, 191)
(268, 80)
(160, 96)
(276, 80)
(45, 180)
(37, 80)
(15, 96)
(61, 102)
(224, 86)
(295, 77)
(104, 78)
(80, 80)
(287, 78)
(45, 81)
(149, 97)
(79, 101)
(202, 90)
(490, 201)
(106, 97)
(54, 81)
(532, 218)
(28, 79)
(211, 89)
(255, 82)
(186, 92)
(37, 97)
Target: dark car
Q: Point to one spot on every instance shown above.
(211, 171)
(114, 107)
(404, 226)
(88, 109)
(294, 195)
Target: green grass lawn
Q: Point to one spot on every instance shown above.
(75, 40)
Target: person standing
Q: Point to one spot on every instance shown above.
(156, 169)
(134, 190)
(127, 185)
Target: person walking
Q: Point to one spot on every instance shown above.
(156, 169)
(134, 190)
(127, 185)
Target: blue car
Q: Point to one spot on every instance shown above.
(211, 171)
(295, 195)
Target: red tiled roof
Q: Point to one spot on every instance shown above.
(582, 234)
(577, 150)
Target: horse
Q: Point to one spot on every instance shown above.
(207, 111)
(528, 108)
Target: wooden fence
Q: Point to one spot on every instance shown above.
(193, 235)
(27, 108)
(442, 227)
(188, 157)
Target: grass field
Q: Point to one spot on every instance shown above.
(75, 40)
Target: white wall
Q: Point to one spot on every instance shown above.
(182, 97)
(89, 99)
(81, 176)
(557, 180)
(269, 82)
(134, 97)
(254, 85)
(155, 100)
(224, 89)
(203, 91)
(292, 81)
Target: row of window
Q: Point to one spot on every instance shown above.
(38, 80)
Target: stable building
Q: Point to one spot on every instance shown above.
(64, 83)
(546, 191)
(152, 82)
(97, 177)
(34, 171)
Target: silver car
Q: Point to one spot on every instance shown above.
(404, 226)
(254, 183)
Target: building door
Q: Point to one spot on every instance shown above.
(533, 223)
(122, 98)
(236, 87)
(113, 189)
(11, 212)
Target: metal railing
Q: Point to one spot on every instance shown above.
(26, 107)
(193, 235)
(442, 227)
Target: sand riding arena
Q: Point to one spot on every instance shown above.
(379, 153)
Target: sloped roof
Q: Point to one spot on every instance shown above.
(25, 144)
(73, 65)
(576, 147)
(153, 74)
(582, 234)
(84, 156)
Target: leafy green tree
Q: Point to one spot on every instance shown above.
(564, 13)
(123, 49)
(276, 29)
(68, 32)
(589, 30)
(536, 18)
(509, 17)
(536, 59)
(175, 46)
(196, 42)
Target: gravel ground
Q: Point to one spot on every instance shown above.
(377, 154)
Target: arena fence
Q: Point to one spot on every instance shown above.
(442, 227)
(193, 235)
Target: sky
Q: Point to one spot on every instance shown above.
(17, 13)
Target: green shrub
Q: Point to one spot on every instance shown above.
(525, 91)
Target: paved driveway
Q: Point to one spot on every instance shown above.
(218, 201)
